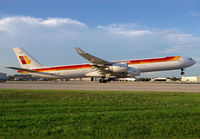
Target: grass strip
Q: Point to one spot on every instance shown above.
(98, 114)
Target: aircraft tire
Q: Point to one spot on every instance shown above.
(103, 81)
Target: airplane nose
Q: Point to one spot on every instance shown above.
(190, 61)
(194, 62)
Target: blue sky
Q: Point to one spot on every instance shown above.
(112, 30)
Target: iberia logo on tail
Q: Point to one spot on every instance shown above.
(25, 60)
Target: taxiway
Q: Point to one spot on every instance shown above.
(111, 86)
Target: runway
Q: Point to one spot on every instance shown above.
(111, 86)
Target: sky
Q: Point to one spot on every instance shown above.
(110, 29)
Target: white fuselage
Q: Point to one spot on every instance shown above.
(99, 67)
(181, 63)
(86, 70)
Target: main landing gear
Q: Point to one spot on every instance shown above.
(182, 72)
(103, 80)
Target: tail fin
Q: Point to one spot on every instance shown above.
(25, 60)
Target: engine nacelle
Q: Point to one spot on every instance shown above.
(132, 72)
(118, 68)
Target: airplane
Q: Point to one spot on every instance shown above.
(97, 67)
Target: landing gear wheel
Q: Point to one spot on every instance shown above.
(182, 72)
(110, 79)
(102, 80)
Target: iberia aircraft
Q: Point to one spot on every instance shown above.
(100, 68)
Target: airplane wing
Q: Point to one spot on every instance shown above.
(94, 60)
(36, 73)
(98, 64)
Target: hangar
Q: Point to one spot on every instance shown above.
(190, 79)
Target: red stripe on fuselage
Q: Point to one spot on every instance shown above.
(83, 66)
(70, 67)
(144, 61)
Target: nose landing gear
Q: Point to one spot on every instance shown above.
(182, 72)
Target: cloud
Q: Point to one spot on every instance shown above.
(124, 30)
(20, 23)
(194, 13)
(56, 29)
(52, 40)
(7, 21)
(176, 41)
(180, 42)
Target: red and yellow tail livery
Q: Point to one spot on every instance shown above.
(25, 60)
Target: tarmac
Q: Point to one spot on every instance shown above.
(111, 86)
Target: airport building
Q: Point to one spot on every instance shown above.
(190, 79)
(161, 79)
(3, 77)
(21, 77)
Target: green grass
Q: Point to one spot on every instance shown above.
(98, 114)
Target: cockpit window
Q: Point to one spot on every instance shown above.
(191, 59)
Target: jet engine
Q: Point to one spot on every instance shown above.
(124, 70)
(132, 72)
(118, 68)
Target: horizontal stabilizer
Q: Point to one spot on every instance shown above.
(21, 69)
(36, 73)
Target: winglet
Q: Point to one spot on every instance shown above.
(79, 51)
